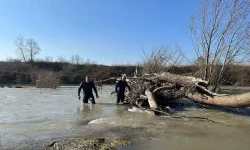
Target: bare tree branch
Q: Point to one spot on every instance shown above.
(32, 49)
(20, 44)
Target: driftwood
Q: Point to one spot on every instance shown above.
(158, 89)
(242, 100)
(151, 100)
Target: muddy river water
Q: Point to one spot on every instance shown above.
(31, 116)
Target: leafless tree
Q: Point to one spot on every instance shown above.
(61, 59)
(32, 49)
(76, 59)
(88, 61)
(48, 59)
(220, 35)
(160, 58)
(20, 44)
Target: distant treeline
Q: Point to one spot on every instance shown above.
(25, 73)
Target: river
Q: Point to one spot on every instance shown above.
(31, 116)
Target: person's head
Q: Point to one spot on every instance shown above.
(87, 79)
(124, 77)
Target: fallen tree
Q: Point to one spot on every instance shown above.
(156, 90)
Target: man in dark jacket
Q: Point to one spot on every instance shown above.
(120, 89)
(87, 87)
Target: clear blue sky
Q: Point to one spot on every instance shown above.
(106, 31)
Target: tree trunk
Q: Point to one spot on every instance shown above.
(242, 100)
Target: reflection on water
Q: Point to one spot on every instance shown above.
(32, 114)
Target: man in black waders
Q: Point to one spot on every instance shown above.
(87, 87)
(120, 89)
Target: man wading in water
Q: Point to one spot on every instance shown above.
(120, 89)
(87, 87)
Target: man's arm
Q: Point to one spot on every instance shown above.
(95, 90)
(126, 84)
(80, 88)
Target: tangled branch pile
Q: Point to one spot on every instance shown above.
(156, 90)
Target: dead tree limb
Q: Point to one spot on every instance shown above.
(151, 99)
(163, 88)
(242, 100)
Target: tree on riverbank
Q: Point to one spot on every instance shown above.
(27, 48)
(220, 35)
